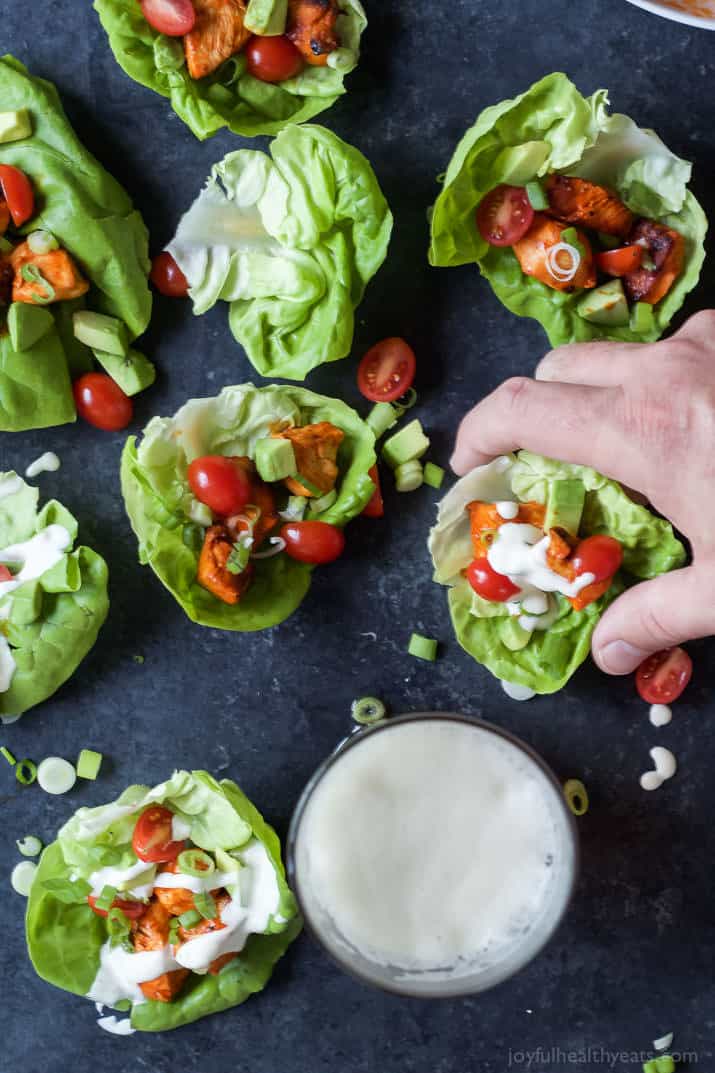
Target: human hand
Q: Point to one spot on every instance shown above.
(643, 414)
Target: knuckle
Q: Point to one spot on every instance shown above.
(654, 625)
(515, 392)
(701, 325)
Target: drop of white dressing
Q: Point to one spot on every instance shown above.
(660, 715)
(507, 509)
(517, 692)
(46, 463)
(665, 768)
(117, 1028)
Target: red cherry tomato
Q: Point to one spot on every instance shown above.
(5, 574)
(17, 191)
(273, 59)
(504, 215)
(101, 402)
(621, 261)
(597, 555)
(488, 584)
(151, 840)
(387, 370)
(376, 506)
(313, 542)
(171, 17)
(167, 277)
(662, 677)
(220, 483)
(133, 910)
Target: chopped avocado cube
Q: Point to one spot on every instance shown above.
(410, 442)
(605, 305)
(88, 764)
(15, 125)
(519, 164)
(26, 324)
(100, 332)
(537, 196)
(133, 372)
(565, 506)
(512, 635)
(642, 319)
(275, 459)
(266, 17)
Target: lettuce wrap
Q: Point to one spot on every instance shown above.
(67, 941)
(230, 96)
(54, 603)
(550, 656)
(162, 510)
(290, 241)
(552, 128)
(92, 218)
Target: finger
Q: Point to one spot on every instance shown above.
(654, 615)
(595, 364)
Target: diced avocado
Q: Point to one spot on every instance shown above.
(266, 17)
(133, 372)
(26, 324)
(605, 305)
(537, 196)
(512, 635)
(101, 332)
(519, 164)
(15, 125)
(642, 319)
(275, 459)
(410, 442)
(565, 506)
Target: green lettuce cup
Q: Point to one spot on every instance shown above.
(230, 96)
(93, 219)
(230, 866)
(290, 241)
(53, 597)
(542, 659)
(167, 519)
(550, 129)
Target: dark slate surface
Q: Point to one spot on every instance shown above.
(635, 956)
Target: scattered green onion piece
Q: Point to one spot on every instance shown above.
(665, 1064)
(317, 506)
(576, 796)
(29, 846)
(137, 658)
(650, 1067)
(69, 891)
(239, 558)
(570, 236)
(104, 901)
(22, 877)
(189, 919)
(409, 476)
(42, 241)
(88, 764)
(56, 776)
(381, 418)
(368, 710)
(194, 862)
(305, 483)
(433, 475)
(26, 772)
(8, 756)
(405, 402)
(205, 905)
(31, 274)
(174, 931)
(423, 647)
(118, 927)
(537, 198)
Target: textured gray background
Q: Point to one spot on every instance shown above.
(635, 956)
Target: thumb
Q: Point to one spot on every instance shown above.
(654, 615)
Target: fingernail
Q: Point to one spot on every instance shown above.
(618, 657)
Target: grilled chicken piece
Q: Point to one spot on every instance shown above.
(311, 28)
(215, 924)
(151, 932)
(216, 966)
(261, 497)
(4, 217)
(176, 900)
(532, 253)
(217, 34)
(57, 267)
(316, 449)
(666, 248)
(485, 518)
(213, 574)
(580, 202)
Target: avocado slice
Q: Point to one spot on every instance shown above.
(266, 17)
(565, 506)
(100, 332)
(605, 305)
(133, 372)
(275, 459)
(26, 324)
(15, 125)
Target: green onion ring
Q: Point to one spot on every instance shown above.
(576, 796)
(194, 862)
(367, 710)
(25, 772)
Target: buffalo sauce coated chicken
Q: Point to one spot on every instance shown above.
(533, 253)
(316, 451)
(578, 201)
(311, 28)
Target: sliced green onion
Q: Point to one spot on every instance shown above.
(423, 647)
(665, 1064)
(56, 776)
(368, 710)
(31, 274)
(239, 558)
(317, 506)
(537, 198)
(69, 891)
(118, 927)
(305, 483)
(433, 475)
(405, 402)
(22, 877)
(26, 772)
(576, 796)
(137, 659)
(29, 846)
(88, 764)
(104, 901)
(189, 919)
(8, 756)
(295, 509)
(381, 418)
(174, 936)
(409, 476)
(42, 241)
(650, 1067)
(194, 862)
(205, 905)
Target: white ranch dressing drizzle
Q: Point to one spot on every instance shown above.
(7, 665)
(180, 829)
(116, 1027)
(507, 509)
(46, 463)
(120, 877)
(660, 715)
(516, 691)
(665, 768)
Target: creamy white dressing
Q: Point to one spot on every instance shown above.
(120, 973)
(180, 829)
(507, 509)
(7, 665)
(116, 1027)
(665, 768)
(517, 691)
(121, 879)
(34, 556)
(46, 463)
(196, 884)
(660, 715)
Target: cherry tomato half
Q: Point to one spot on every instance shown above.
(662, 677)
(167, 277)
(220, 483)
(133, 910)
(101, 402)
(488, 584)
(273, 59)
(621, 261)
(17, 191)
(151, 840)
(5, 574)
(313, 542)
(171, 17)
(376, 506)
(504, 215)
(387, 370)
(597, 555)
